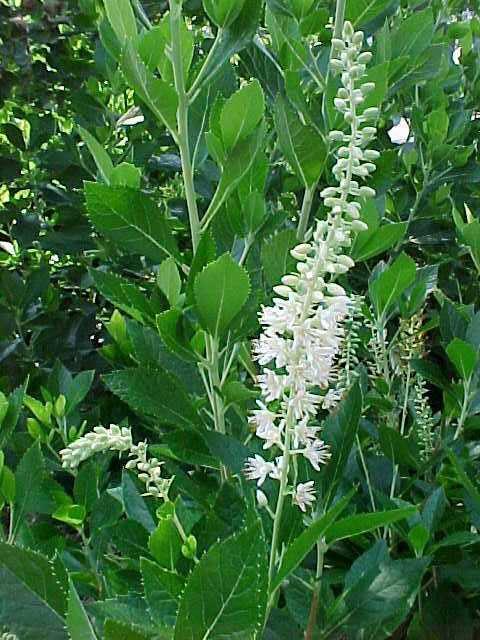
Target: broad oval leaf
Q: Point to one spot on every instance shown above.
(221, 290)
(242, 113)
(226, 594)
(32, 601)
(131, 219)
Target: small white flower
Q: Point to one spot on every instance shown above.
(272, 384)
(272, 434)
(304, 495)
(317, 453)
(258, 469)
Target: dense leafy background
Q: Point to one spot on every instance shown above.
(103, 310)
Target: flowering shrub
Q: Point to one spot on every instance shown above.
(285, 337)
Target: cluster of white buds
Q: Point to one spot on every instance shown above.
(354, 161)
(149, 471)
(116, 438)
(303, 330)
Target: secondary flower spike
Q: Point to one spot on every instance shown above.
(116, 438)
(304, 328)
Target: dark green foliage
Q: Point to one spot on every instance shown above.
(147, 211)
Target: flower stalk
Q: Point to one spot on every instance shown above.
(303, 330)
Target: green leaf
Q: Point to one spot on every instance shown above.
(221, 290)
(163, 589)
(373, 242)
(157, 94)
(362, 12)
(365, 522)
(115, 630)
(101, 157)
(235, 167)
(28, 481)
(229, 40)
(121, 17)
(165, 544)
(33, 604)
(378, 592)
(12, 413)
(413, 35)
(302, 146)
(169, 325)
(398, 448)
(340, 432)
(78, 389)
(131, 219)
(226, 594)
(154, 393)
(241, 114)
(168, 279)
(223, 12)
(78, 623)
(154, 46)
(123, 294)
(72, 514)
(126, 175)
(391, 283)
(276, 258)
(134, 503)
(301, 546)
(464, 356)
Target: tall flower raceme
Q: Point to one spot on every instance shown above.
(303, 329)
(116, 438)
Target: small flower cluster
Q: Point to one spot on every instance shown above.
(344, 371)
(424, 420)
(149, 471)
(119, 439)
(114, 438)
(303, 330)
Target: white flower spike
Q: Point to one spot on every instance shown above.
(303, 330)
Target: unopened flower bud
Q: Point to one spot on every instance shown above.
(365, 57)
(367, 192)
(371, 154)
(371, 112)
(336, 136)
(282, 290)
(290, 280)
(262, 499)
(359, 225)
(358, 38)
(345, 260)
(348, 30)
(338, 44)
(367, 87)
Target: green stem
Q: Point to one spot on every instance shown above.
(215, 384)
(312, 617)
(402, 425)
(279, 509)
(339, 18)
(305, 213)
(197, 85)
(182, 121)
(464, 412)
(367, 474)
(195, 227)
(182, 534)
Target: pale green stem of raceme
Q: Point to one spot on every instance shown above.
(212, 350)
